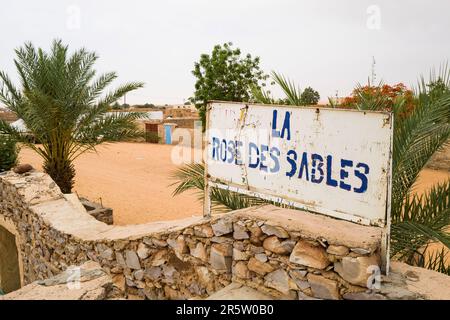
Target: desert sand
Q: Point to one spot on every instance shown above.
(134, 179)
(131, 178)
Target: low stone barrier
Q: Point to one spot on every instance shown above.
(284, 253)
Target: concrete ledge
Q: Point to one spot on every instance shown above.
(316, 226)
(427, 284)
(87, 282)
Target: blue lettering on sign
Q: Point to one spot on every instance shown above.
(362, 176)
(292, 161)
(313, 168)
(344, 174)
(252, 147)
(330, 181)
(223, 150)
(231, 151)
(286, 126)
(264, 149)
(238, 155)
(215, 148)
(274, 155)
(317, 164)
(304, 167)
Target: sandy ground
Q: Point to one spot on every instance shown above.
(131, 178)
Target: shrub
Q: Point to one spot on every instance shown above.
(8, 152)
(152, 137)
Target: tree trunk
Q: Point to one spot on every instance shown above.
(62, 172)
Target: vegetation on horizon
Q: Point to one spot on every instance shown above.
(62, 104)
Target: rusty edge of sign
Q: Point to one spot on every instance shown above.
(384, 224)
(386, 235)
(211, 102)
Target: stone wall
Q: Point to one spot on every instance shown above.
(284, 253)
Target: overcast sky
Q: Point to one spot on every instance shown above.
(324, 44)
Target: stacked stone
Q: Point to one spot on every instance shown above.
(287, 265)
(186, 260)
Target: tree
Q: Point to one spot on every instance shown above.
(293, 94)
(62, 105)
(309, 97)
(225, 75)
(9, 152)
(381, 97)
(419, 131)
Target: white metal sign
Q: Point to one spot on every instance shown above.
(330, 161)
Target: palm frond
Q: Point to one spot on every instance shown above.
(260, 95)
(292, 92)
(424, 219)
(191, 177)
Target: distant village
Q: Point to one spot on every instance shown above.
(158, 124)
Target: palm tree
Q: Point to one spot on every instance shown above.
(61, 103)
(417, 221)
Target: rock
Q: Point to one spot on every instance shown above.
(171, 294)
(274, 245)
(240, 232)
(259, 267)
(298, 274)
(240, 270)
(120, 260)
(360, 251)
(222, 227)
(139, 274)
(169, 273)
(239, 255)
(119, 281)
(278, 280)
(302, 284)
(159, 258)
(310, 255)
(204, 277)
(221, 256)
(302, 296)
(255, 231)
(22, 168)
(199, 252)
(203, 231)
(261, 257)
(143, 251)
(255, 249)
(363, 296)
(107, 254)
(323, 288)
(179, 246)
(222, 240)
(337, 250)
(356, 270)
(274, 231)
(159, 243)
(255, 235)
(132, 259)
(153, 273)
